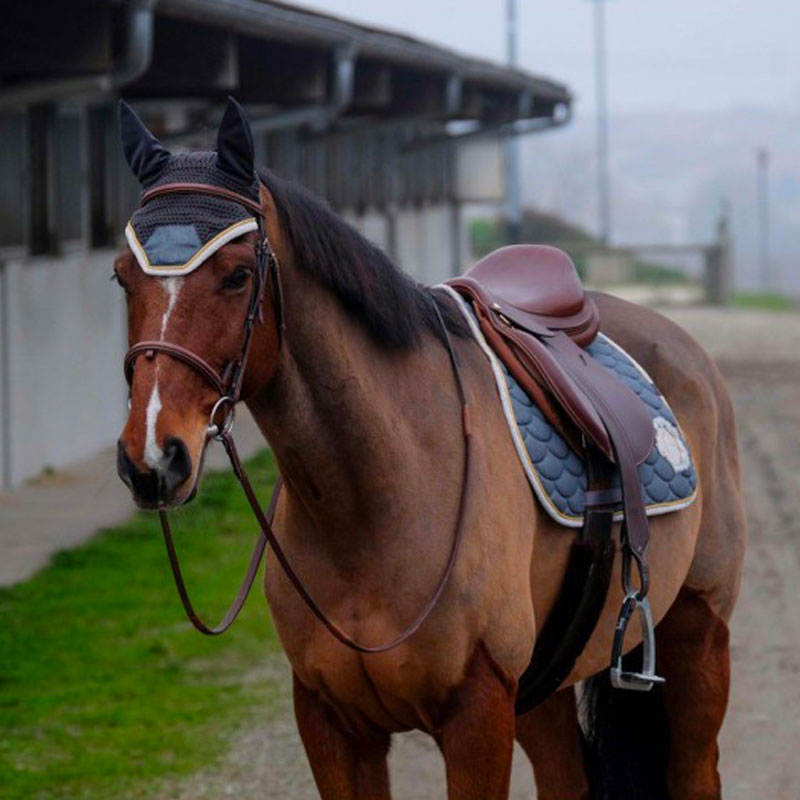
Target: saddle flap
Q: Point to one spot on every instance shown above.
(534, 356)
(631, 417)
(575, 381)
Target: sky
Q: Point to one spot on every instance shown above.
(686, 55)
(694, 86)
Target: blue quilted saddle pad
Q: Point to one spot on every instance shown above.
(558, 475)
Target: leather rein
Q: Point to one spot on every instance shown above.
(229, 387)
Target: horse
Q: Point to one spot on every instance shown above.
(350, 381)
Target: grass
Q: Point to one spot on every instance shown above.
(104, 687)
(767, 301)
(658, 274)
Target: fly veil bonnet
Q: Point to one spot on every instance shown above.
(173, 233)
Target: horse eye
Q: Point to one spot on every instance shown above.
(237, 279)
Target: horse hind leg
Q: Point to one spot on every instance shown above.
(694, 658)
(345, 766)
(550, 736)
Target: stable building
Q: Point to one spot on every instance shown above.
(397, 134)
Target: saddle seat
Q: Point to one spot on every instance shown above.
(536, 287)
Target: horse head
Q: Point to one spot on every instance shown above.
(197, 278)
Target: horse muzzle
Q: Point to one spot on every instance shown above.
(157, 486)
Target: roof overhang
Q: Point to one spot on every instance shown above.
(284, 62)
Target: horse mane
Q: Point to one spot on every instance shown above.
(394, 308)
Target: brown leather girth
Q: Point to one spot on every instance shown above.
(582, 595)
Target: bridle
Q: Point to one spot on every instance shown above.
(229, 384)
(229, 387)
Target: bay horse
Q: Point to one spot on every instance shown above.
(356, 397)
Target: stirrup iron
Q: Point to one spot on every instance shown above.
(635, 600)
(636, 681)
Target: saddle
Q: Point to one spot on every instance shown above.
(536, 315)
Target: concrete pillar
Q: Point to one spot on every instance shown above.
(719, 266)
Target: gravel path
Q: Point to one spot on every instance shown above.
(760, 356)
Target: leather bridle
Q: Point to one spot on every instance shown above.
(229, 387)
(229, 384)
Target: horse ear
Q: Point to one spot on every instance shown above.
(235, 152)
(146, 156)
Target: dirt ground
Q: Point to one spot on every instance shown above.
(760, 356)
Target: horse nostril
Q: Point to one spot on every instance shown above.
(125, 467)
(176, 464)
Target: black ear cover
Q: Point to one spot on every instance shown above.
(146, 156)
(235, 152)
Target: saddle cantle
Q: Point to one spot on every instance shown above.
(536, 315)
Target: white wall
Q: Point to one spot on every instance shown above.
(426, 240)
(375, 226)
(435, 231)
(408, 252)
(62, 394)
(64, 330)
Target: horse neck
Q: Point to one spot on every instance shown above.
(363, 436)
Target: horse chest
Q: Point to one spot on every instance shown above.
(397, 690)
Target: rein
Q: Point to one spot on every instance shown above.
(229, 387)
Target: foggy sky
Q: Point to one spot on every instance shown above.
(663, 54)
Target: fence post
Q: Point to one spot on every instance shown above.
(719, 266)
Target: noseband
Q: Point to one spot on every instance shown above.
(229, 387)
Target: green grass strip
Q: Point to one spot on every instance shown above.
(104, 686)
(765, 301)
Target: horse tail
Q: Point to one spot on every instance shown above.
(625, 740)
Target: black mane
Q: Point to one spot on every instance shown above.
(393, 307)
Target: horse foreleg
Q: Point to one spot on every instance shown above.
(477, 735)
(693, 655)
(345, 766)
(550, 737)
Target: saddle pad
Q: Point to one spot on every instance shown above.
(556, 472)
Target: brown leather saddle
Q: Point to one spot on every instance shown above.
(536, 315)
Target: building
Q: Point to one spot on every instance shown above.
(396, 133)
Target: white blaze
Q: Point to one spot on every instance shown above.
(172, 287)
(152, 452)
